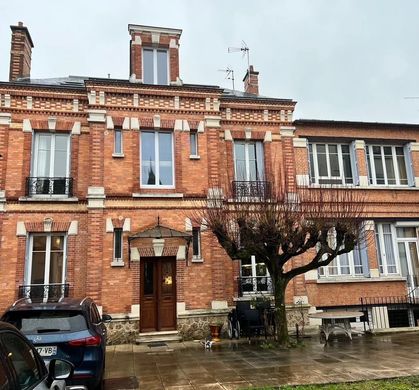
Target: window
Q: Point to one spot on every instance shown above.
(330, 163)
(46, 263)
(157, 168)
(196, 243)
(387, 165)
(50, 165)
(347, 264)
(384, 233)
(254, 277)
(155, 66)
(248, 161)
(117, 244)
(193, 142)
(118, 149)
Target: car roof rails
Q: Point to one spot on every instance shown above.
(21, 300)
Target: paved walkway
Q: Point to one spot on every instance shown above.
(237, 365)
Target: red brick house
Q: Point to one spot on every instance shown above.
(98, 179)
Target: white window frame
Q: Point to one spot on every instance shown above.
(155, 70)
(47, 266)
(117, 153)
(380, 243)
(254, 276)
(247, 161)
(34, 169)
(372, 178)
(324, 272)
(316, 179)
(195, 134)
(118, 259)
(156, 153)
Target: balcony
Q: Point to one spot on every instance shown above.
(44, 292)
(254, 285)
(252, 189)
(49, 186)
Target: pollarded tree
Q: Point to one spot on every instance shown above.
(316, 223)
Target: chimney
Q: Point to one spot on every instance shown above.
(251, 82)
(20, 52)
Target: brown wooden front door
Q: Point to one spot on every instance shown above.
(158, 294)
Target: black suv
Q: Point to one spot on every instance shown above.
(69, 329)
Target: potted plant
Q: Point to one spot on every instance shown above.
(215, 328)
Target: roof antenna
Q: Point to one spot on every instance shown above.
(244, 49)
(109, 75)
(229, 74)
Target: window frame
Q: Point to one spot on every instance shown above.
(372, 176)
(196, 235)
(258, 159)
(324, 271)
(121, 244)
(314, 165)
(381, 251)
(254, 277)
(193, 134)
(155, 50)
(117, 153)
(157, 160)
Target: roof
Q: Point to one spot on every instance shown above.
(160, 231)
(325, 122)
(63, 304)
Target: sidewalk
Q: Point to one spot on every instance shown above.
(236, 365)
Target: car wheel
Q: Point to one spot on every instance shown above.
(230, 330)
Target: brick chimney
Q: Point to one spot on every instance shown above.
(20, 52)
(251, 81)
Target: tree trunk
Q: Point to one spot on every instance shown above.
(281, 325)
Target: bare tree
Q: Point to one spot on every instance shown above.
(317, 224)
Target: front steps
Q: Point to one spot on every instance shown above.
(156, 337)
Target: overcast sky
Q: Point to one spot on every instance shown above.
(339, 59)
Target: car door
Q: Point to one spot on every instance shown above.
(6, 379)
(28, 371)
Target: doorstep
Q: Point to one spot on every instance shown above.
(162, 336)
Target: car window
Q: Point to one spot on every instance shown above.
(47, 321)
(22, 358)
(94, 314)
(4, 381)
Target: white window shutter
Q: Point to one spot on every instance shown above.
(354, 164)
(409, 165)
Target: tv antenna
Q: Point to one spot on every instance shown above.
(229, 74)
(244, 49)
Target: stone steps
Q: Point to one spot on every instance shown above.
(154, 337)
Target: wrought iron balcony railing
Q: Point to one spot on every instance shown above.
(44, 292)
(252, 189)
(49, 186)
(255, 285)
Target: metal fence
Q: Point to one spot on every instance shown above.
(49, 186)
(44, 292)
(254, 285)
(252, 189)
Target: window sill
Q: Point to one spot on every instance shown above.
(117, 263)
(173, 195)
(197, 260)
(360, 279)
(194, 157)
(48, 198)
(118, 155)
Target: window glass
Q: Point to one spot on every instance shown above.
(117, 243)
(406, 232)
(148, 159)
(401, 163)
(165, 159)
(347, 168)
(388, 246)
(162, 67)
(43, 155)
(313, 176)
(23, 359)
(193, 141)
(196, 241)
(118, 141)
(248, 158)
(148, 66)
(378, 163)
(322, 160)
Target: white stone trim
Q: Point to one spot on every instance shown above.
(282, 115)
(2, 201)
(76, 129)
(137, 40)
(20, 229)
(126, 123)
(201, 127)
(176, 102)
(363, 181)
(135, 124)
(311, 275)
(98, 116)
(73, 230)
(227, 135)
(180, 307)
(287, 131)
(207, 104)
(416, 181)
(155, 38)
(158, 246)
(407, 223)
(414, 146)
(29, 102)
(5, 118)
(101, 97)
(117, 263)
(141, 28)
(96, 197)
(27, 127)
(75, 105)
(374, 273)
(126, 227)
(228, 113)
(181, 253)
(135, 310)
(109, 225)
(52, 122)
(178, 125)
(109, 123)
(7, 101)
(219, 305)
(300, 300)
(248, 133)
(359, 144)
(135, 100)
(188, 225)
(369, 225)
(91, 96)
(265, 115)
(268, 137)
(135, 254)
(212, 121)
(173, 44)
(156, 121)
(303, 180)
(300, 142)
(216, 104)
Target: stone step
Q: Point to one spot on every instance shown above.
(163, 336)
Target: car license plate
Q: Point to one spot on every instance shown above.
(47, 351)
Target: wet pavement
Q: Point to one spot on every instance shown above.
(238, 365)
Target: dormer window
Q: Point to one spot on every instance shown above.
(155, 66)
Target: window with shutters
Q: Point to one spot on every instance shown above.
(387, 165)
(331, 163)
